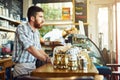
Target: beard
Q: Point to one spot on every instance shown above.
(37, 25)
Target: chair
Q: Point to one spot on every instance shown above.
(109, 69)
(105, 70)
(113, 66)
(110, 64)
(6, 66)
(2, 75)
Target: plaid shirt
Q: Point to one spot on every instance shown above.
(24, 38)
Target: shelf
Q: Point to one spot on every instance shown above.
(9, 19)
(60, 22)
(7, 29)
(46, 24)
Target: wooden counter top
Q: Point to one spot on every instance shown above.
(47, 70)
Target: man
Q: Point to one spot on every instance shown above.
(27, 47)
(60, 35)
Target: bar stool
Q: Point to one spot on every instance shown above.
(116, 74)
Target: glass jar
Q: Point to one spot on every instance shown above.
(72, 58)
(60, 58)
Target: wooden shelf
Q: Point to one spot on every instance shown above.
(9, 19)
(7, 29)
(3, 28)
(63, 24)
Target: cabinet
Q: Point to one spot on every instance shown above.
(7, 25)
(7, 29)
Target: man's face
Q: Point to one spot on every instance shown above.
(39, 19)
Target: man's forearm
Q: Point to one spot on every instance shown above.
(36, 53)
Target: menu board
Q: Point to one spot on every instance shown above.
(81, 10)
(81, 13)
(16, 7)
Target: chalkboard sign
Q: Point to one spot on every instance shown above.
(14, 6)
(81, 10)
(5, 3)
(81, 13)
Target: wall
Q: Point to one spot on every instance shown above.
(26, 4)
(92, 21)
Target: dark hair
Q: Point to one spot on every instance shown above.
(33, 10)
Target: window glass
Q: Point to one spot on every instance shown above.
(103, 24)
(54, 11)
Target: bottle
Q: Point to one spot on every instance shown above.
(82, 63)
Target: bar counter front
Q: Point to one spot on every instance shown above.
(47, 71)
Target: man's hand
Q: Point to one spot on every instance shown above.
(48, 60)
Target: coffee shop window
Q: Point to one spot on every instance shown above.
(57, 11)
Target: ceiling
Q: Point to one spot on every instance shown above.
(50, 1)
(97, 2)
